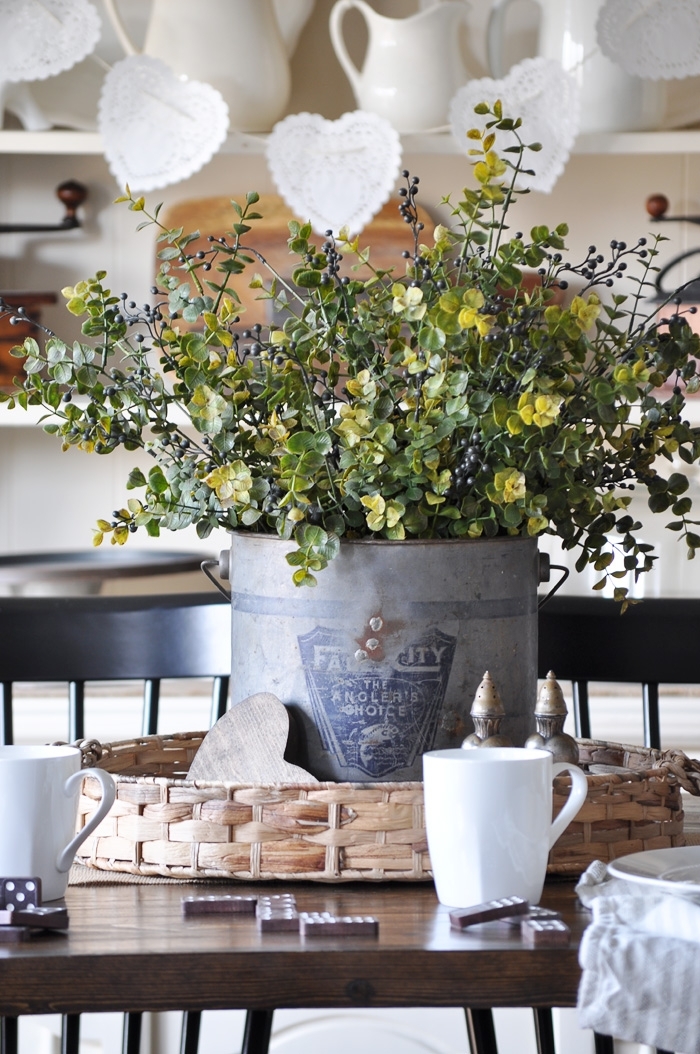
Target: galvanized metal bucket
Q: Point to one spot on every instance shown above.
(380, 662)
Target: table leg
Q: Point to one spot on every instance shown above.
(480, 1031)
(256, 1035)
(189, 1034)
(544, 1030)
(131, 1033)
(70, 1034)
(8, 1035)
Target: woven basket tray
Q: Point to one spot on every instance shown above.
(161, 824)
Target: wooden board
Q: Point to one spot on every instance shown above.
(387, 234)
(12, 335)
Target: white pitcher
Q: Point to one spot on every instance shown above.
(240, 47)
(611, 100)
(413, 65)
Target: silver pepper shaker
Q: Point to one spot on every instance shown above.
(487, 712)
(550, 715)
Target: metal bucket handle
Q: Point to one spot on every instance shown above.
(222, 566)
(545, 567)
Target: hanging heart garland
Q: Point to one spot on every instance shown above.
(157, 128)
(40, 38)
(547, 99)
(656, 39)
(334, 173)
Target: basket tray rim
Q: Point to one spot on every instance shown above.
(111, 753)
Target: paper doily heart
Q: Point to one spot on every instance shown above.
(157, 128)
(548, 101)
(658, 40)
(334, 173)
(39, 38)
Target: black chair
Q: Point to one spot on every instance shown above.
(151, 638)
(655, 642)
(81, 639)
(585, 639)
(144, 638)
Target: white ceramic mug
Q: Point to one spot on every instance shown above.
(488, 816)
(39, 788)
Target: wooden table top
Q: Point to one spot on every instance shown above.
(129, 948)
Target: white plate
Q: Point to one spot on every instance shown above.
(670, 870)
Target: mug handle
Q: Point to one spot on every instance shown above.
(119, 28)
(576, 799)
(336, 30)
(109, 791)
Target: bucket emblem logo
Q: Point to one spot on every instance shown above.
(376, 717)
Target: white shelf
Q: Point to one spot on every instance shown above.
(686, 141)
(31, 418)
(677, 142)
(56, 141)
(19, 418)
(51, 142)
(37, 416)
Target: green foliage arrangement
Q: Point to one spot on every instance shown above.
(448, 398)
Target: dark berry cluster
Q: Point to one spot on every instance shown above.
(409, 210)
(333, 261)
(471, 463)
(596, 270)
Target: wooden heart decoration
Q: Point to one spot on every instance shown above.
(39, 40)
(547, 99)
(660, 40)
(247, 745)
(158, 128)
(334, 173)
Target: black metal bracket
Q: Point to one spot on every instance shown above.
(72, 194)
(208, 566)
(657, 207)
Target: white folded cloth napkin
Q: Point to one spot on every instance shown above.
(641, 963)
